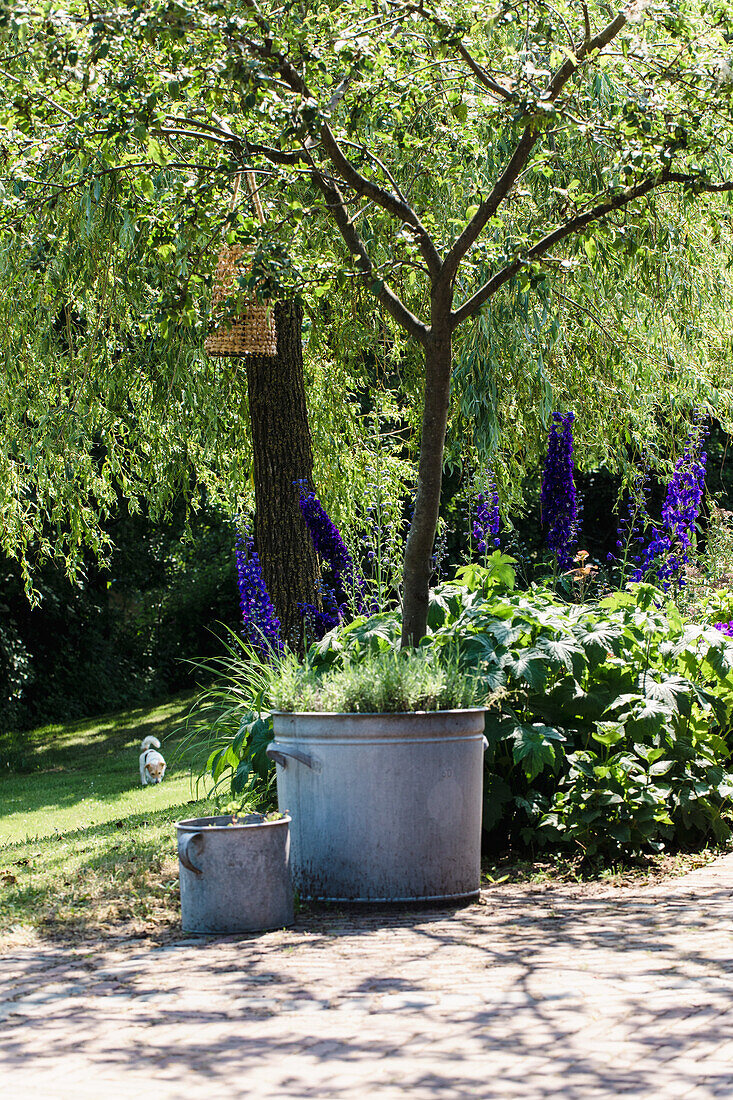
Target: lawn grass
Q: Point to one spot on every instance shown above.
(86, 852)
(84, 848)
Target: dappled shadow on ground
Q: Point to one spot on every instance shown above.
(62, 746)
(70, 768)
(534, 993)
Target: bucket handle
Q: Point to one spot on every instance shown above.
(280, 755)
(183, 846)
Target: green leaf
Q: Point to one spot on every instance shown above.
(156, 152)
(528, 666)
(609, 733)
(564, 651)
(535, 747)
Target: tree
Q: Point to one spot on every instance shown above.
(441, 146)
(281, 457)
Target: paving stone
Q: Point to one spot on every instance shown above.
(566, 991)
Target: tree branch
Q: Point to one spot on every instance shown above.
(697, 184)
(363, 186)
(575, 225)
(276, 156)
(394, 306)
(484, 77)
(526, 143)
(389, 202)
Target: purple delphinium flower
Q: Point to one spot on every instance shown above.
(261, 626)
(632, 524)
(328, 543)
(319, 621)
(668, 549)
(347, 591)
(559, 500)
(724, 628)
(488, 519)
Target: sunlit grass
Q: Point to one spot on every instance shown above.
(84, 849)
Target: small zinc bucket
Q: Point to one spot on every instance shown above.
(234, 874)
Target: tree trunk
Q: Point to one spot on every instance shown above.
(282, 455)
(418, 565)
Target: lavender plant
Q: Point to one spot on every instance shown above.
(559, 499)
(261, 626)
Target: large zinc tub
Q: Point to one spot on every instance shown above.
(384, 807)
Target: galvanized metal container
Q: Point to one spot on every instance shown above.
(385, 807)
(234, 874)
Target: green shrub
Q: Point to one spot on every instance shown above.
(613, 731)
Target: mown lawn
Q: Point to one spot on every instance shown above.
(84, 849)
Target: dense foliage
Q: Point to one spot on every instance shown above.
(612, 729)
(123, 140)
(124, 634)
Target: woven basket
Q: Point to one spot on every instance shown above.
(252, 332)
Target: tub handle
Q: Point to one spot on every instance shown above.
(183, 855)
(280, 755)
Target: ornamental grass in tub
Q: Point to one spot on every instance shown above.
(383, 683)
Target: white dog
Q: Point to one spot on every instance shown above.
(152, 764)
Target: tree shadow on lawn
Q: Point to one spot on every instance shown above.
(86, 881)
(72, 767)
(58, 745)
(564, 994)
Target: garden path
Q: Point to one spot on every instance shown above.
(564, 991)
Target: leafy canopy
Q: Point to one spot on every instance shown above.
(392, 144)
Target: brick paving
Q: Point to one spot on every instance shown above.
(535, 993)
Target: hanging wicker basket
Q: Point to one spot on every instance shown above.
(252, 331)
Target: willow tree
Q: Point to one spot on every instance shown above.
(437, 142)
